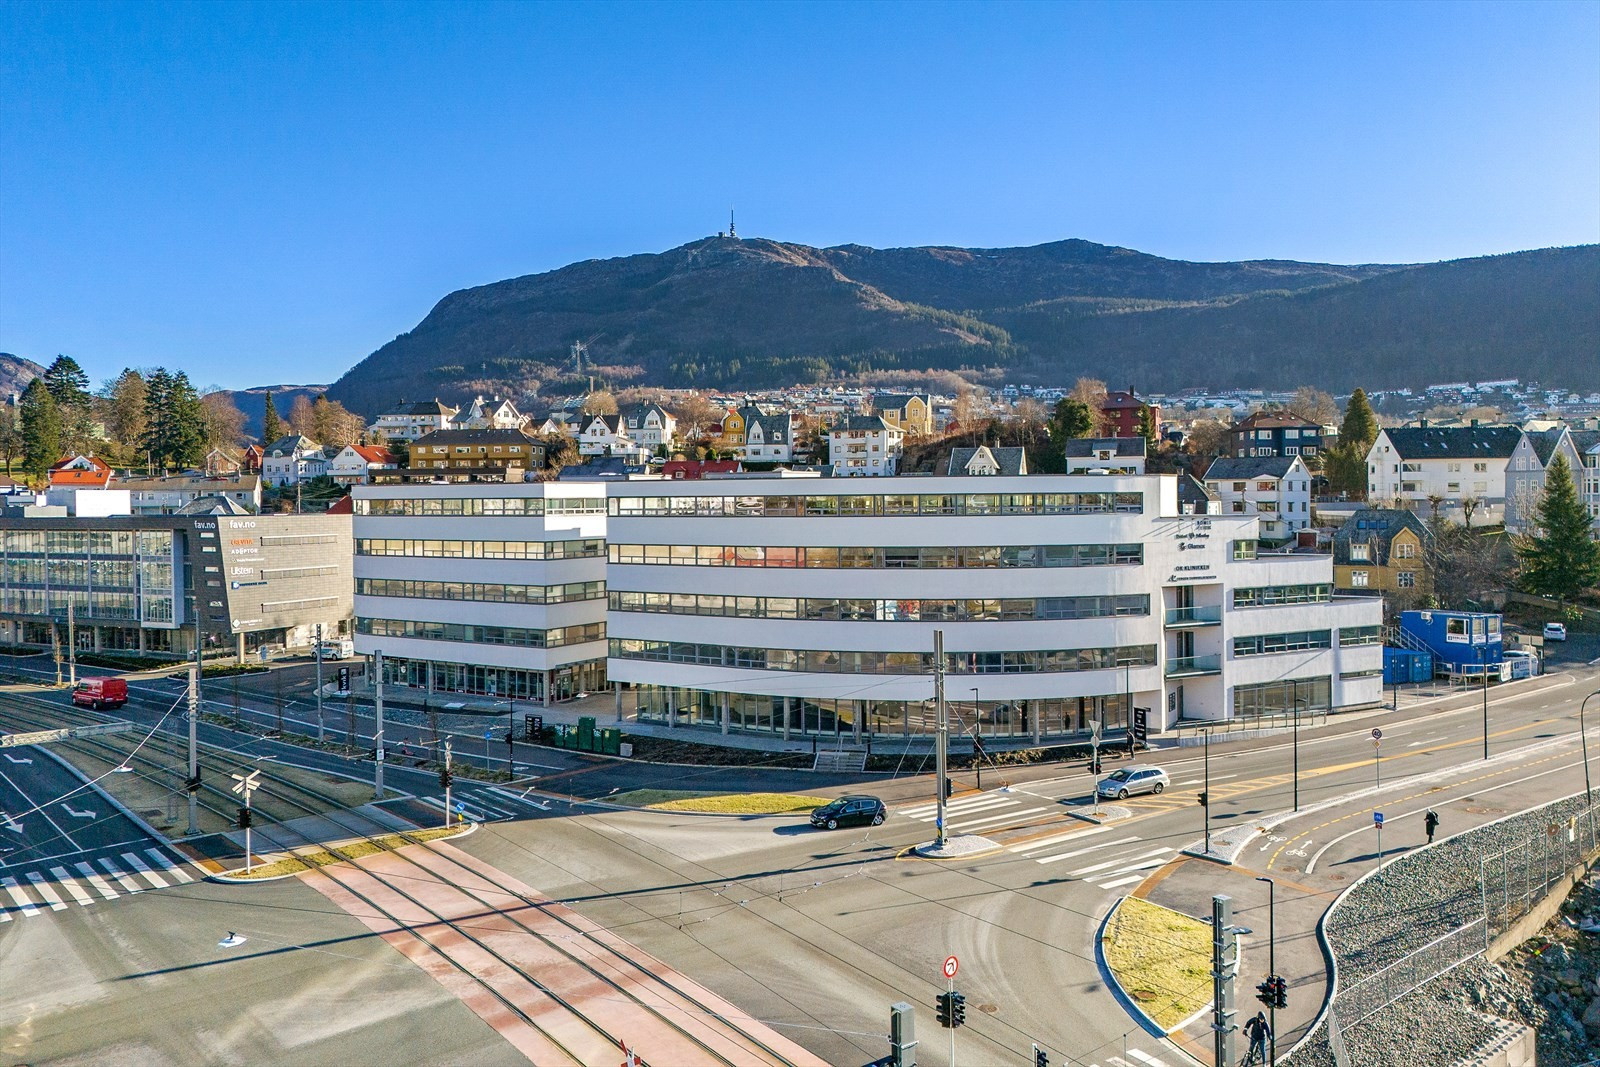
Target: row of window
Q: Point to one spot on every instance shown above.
(481, 592)
(880, 504)
(927, 557)
(489, 507)
(830, 610)
(1267, 644)
(827, 662)
(472, 633)
(1262, 596)
(89, 542)
(583, 548)
(1360, 635)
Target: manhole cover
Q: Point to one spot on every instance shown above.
(1289, 868)
(1486, 811)
(988, 1009)
(1336, 877)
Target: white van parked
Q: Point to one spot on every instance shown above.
(336, 648)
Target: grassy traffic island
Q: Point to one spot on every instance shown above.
(1161, 958)
(718, 803)
(312, 858)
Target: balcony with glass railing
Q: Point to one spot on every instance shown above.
(1187, 618)
(1189, 666)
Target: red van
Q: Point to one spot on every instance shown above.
(100, 693)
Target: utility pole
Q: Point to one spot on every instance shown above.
(377, 725)
(1205, 793)
(72, 644)
(1294, 698)
(1483, 654)
(447, 777)
(1222, 975)
(320, 737)
(941, 763)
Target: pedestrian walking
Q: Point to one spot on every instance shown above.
(1430, 823)
(1259, 1031)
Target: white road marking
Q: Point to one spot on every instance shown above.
(167, 865)
(122, 879)
(1121, 881)
(23, 903)
(1080, 872)
(42, 887)
(144, 868)
(1010, 816)
(1056, 839)
(1078, 852)
(66, 881)
(95, 880)
(1146, 1058)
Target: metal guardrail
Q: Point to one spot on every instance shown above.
(1205, 615)
(1184, 666)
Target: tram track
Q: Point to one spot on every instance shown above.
(590, 957)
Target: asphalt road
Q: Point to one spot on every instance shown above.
(815, 933)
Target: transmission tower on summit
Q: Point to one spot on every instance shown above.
(733, 234)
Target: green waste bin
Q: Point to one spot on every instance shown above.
(611, 741)
(586, 735)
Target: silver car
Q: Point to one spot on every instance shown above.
(1126, 781)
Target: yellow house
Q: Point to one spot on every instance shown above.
(733, 427)
(1383, 549)
(911, 412)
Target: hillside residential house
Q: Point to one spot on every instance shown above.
(1275, 433)
(1195, 499)
(409, 421)
(250, 460)
(864, 446)
(508, 453)
(651, 425)
(81, 472)
(1105, 455)
(1277, 488)
(680, 470)
(607, 435)
(495, 413)
(354, 464)
(911, 412)
(1383, 549)
(1414, 466)
(986, 460)
(169, 496)
(1121, 409)
(292, 459)
(1530, 460)
(767, 438)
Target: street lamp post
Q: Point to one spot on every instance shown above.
(1205, 807)
(977, 739)
(1272, 956)
(1583, 739)
(320, 731)
(1294, 698)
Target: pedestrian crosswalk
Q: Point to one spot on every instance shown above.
(1134, 1058)
(489, 803)
(90, 878)
(1094, 856)
(978, 813)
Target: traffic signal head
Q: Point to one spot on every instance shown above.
(958, 1009)
(941, 1007)
(244, 818)
(1205, 799)
(1280, 992)
(1041, 1058)
(1266, 991)
(192, 783)
(444, 777)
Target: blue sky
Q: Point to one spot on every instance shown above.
(267, 193)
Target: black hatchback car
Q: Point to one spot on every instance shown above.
(850, 811)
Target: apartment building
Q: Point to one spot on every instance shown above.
(486, 589)
(1275, 433)
(132, 580)
(411, 420)
(864, 446)
(466, 453)
(1453, 468)
(1276, 488)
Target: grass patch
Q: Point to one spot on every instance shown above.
(1162, 958)
(354, 850)
(718, 803)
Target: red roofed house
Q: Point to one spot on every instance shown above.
(355, 464)
(1121, 410)
(695, 469)
(81, 472)
(250, 462)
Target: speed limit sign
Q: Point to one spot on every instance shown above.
(951, 965)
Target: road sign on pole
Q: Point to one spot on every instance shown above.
(1377, 819)
(951, 966)
(1377, 734)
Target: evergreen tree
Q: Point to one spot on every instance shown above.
(1071, 418)
(271, 425)
(175, 420)
(67, 383)
(1147, 430)
(1560, 558)
(157, 415)
(1360, 424)
(41, 430)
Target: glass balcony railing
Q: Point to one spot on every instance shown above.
(1185, 666)
(1208, 615)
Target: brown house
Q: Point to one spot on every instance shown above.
(476, 452)
(1383, 549)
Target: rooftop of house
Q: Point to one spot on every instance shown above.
(292, 444)
(373, 453)
(434, 407)
(858, 423)
(1454, 442)
(1275, 420)
(1121, 447)
(1123, 400)
(897, 401)
(213, 504)
(1005, 460)
(1375, 527)
(67, 477)
(512, 436)
(228, 483)
(690, 469)
(1193, 491)
(1228, 467)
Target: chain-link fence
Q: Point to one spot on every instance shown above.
(1518, 878)
(1377, 991)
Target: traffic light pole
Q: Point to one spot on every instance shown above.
(320, 733)
(194, 749)
(447, 781)
(941, 755)
(1272, 960)
(1205, 795)
(377, 725)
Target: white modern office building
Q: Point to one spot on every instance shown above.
(488, 589)
(804, 609)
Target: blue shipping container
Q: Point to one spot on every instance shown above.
(1402, 665)
(1459, 640)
